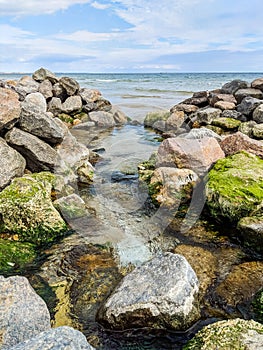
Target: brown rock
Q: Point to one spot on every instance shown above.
(240, 142)
(175, 120)
(223, 105)
(10, 108)
(187, 108)
(214, 98)
(257, 84)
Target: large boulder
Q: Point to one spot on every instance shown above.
(207, 115)
(42, 74)
(34, 103)
(238, 141)
(258, 114)
(38, 154)
(46, 89)
(233, 334)
(257, 131)
(26, 209)
(12, 164)
(102, 119)
(235, 186)
(153, 117)
(26, 85)
(249, 92)
(257, 84)
(161, 293)
(10, 108)
(248, 104)
(233, 86)
(195, 154)
(70, 85)
(23, 314)
(60, 338)
(73, 104)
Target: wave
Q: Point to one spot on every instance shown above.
(177, 92)
(140, 96)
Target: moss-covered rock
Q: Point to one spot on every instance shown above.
(15, 255)
(226, 123)
(235, 186)
(234, 334)
(258, 306)
(153, 117)
(26, 209)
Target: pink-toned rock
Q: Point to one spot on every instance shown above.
(214, 98)
(175, 120)
(257, 84)
(223, 105)
(195, 154)
(240, 142)
(185, 108)
(10, 108)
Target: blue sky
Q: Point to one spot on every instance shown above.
(131, 35)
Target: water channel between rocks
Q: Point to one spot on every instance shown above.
(122, 229)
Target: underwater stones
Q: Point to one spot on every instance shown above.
(26, 209)
(59, 338)
(23, 314)
(71, 206)
(195, 154)
(12, 164)
(233, 334)
(161, 293)
(10, 108)
(235, 186)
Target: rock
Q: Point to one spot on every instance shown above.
(159, 125)
(233, 86)
(27, 210)
(102, 119)
(207, 115)
(240, 142)
(10, 108)
(72, 105)
(70, 85)
(247, 128)
(230, 334)
(195, 154)
(175, 120)
(257, 84)
(224, 105)
(257, 131)
(249, 92)
(200, 133)
(55, 106)
(217, 97)
(60, 338)
(59, 91)
(171, 186)
(258, 114)
(71, 207)
(23, 313)
(118, 116)
(233, 114)
(42, 74)
(12, 164)
(46, 89)
(43, 126)
(226, 123)
(153, 117)
(234, 186)
(247, 105)
(89, 95)
(158, 294)
(199, 99)
(26, 85)
(34, 103)
(38, 154)
(251, 229)
(188, 109)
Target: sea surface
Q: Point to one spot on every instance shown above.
(139, 93)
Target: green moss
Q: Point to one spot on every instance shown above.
(15, 255)
(223, 335)
(235, 186)
(66, 118)
(258, 306)
(226, 123)
(153, 117)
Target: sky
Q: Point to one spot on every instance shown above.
(104, 36)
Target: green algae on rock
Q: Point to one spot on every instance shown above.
(15, 255)
(233, 334)
(26, 209)
(235, 186)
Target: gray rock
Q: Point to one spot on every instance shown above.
(233, 86)
(257, 131)
(12, 164)
(38, 154)
(175, 120)
(59, 91)
(26, 85)
(248, 104)
(251, 229)
(153, 117)
(200, 133)
(159, 294)
(186, 108)
(89, 95)
(102, 119)
(43, 126)
(233, 114)
(159, 125)
(247, 128)
(10, 108)
(207, 115)
(118, 116)
(70, 85)
(23, 314)
(33, 104)
(46, 89)
(73, 104)
(242, 93)
(60, 338)
(258, 114)
(71, 207)
(55, 106)
(42, 74)
(216, 97)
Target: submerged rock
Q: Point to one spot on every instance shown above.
(23, 314)
(231, 334)
(159, 294)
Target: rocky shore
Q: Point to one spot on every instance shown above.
(209, 165)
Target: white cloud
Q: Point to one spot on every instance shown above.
(33, 7)
(99, 6)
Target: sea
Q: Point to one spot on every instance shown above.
(136, 94)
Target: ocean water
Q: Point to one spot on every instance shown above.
(136, 94)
